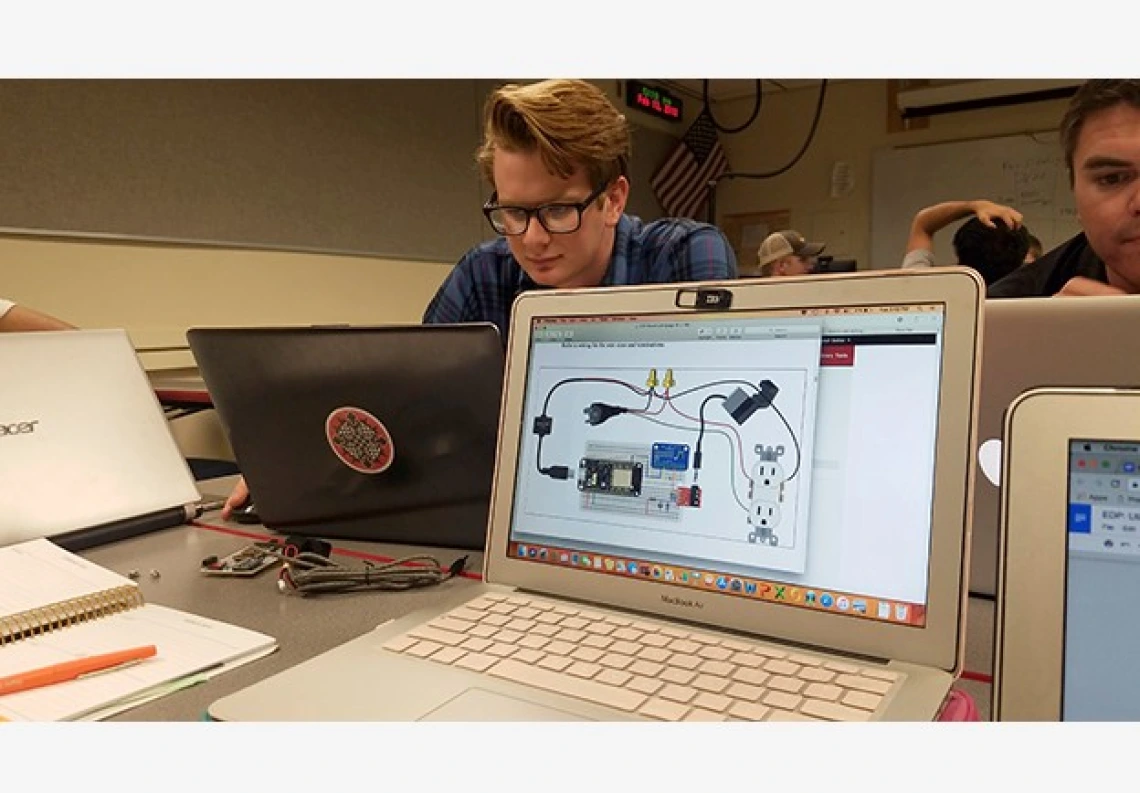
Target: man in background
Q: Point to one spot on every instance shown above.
(787, 253)
(1100, 135)
(21, 318)
(556, 155)
(993, 241)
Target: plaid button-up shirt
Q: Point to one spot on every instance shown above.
(487, 279)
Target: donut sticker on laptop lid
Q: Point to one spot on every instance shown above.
(360, 440)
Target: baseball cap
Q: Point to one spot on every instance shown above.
(786, 243)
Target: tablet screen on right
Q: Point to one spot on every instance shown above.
(1102, 599)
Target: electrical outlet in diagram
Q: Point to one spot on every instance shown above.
(687, 455)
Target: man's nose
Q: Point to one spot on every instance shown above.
(536, 233)
(1134, 197)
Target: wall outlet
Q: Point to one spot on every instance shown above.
(767, 474)
(765, 514)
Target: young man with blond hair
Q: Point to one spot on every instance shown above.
(556, 154)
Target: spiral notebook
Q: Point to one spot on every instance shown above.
(56, 606)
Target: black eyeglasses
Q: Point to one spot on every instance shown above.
(560, 218)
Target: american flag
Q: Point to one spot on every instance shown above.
(681, 183)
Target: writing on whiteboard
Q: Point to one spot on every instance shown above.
(1034, 181)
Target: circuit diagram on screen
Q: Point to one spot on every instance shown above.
(697, 454)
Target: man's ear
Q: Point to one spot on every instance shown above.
(616, 197)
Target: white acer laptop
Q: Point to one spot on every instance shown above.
(733, 500)
(86, 456)
(1067, 634)
(1031, 342)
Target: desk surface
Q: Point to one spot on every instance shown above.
(307, 626)
(303, 626)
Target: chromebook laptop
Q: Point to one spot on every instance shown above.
(382, 433)
(86, 454)
(1066, 627)
(1030, 342)
(740, 499)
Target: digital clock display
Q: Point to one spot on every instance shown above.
(652, 100)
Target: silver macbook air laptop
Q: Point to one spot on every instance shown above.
(1066, 629)
(382, 433)
(742, 499)
(1030, 342)
(86, 455)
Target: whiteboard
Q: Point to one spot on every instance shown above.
(1026, 172)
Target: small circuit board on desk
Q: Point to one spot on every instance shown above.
(247, 561)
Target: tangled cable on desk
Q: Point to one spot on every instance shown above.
(310, 573)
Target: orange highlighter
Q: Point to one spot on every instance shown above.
(70, 670)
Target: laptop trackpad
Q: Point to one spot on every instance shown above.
(477, 704)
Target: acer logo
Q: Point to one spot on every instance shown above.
(18, 428)
(685, 602)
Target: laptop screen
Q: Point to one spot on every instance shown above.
(86, 453)
(781, 455)
(1102, 582)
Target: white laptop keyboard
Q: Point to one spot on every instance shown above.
(660, 671)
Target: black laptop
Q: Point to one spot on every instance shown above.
(383, 433)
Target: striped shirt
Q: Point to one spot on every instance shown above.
(488, 278)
